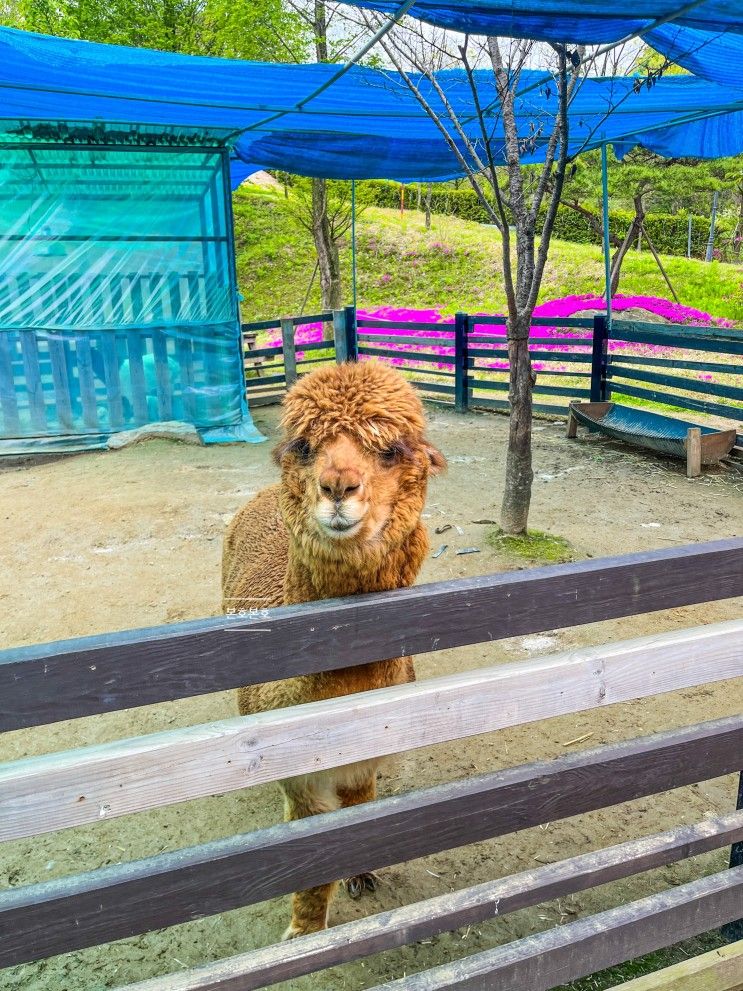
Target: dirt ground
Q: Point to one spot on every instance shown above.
(109, 541)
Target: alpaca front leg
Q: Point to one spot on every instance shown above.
(358, 795)
(310, 907)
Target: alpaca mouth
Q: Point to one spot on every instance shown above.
(339, 527)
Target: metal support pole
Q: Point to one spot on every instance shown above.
(688, 239)
(353, 238)
(607, 246)
(461, 388)
(733, 931)
(712, 223)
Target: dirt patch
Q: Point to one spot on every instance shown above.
(133, 538)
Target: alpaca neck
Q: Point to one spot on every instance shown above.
(311, 576)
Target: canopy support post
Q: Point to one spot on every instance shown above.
(607, 246)
(353, 238)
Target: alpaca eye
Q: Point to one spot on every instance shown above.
(389, 456)
(302, 450)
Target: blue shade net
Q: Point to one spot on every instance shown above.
(576, 21)
(117, 300)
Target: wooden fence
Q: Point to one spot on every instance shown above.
(42, 684)
(147, 348)
(464, 363)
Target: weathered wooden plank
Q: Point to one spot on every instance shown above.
(551, 409)
(471, 906)
(124, 899)
(56, 791)
(434, 387)
(718, 970)
(118, 670)
(57, 347)
(580, 948)
(566, 356)
(86, 379)
(33, 381)
(677, 338)
(547, 390)
(112, 379)
(673, 399)
(676, 363)
(8, 396)
(676, 382)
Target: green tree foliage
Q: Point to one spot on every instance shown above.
(250, 29)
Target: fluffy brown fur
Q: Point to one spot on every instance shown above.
(344, 519)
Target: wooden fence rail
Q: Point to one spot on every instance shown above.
(72, 678)
(57, 791)
(471, 906)
(99, 674)
(167, 889)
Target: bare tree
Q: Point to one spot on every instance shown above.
(521, 203)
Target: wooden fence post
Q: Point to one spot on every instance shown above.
(599, 389)
(352, 337)
(290, 355)
(461, 398)
(733, 931)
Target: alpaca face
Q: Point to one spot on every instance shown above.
(355, 463)
(342, 491)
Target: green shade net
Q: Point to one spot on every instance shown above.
(118, 304)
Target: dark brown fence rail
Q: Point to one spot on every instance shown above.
(81, 677)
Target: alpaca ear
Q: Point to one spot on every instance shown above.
(436, 460)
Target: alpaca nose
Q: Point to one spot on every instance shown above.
(339, 485)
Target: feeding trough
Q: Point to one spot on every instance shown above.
(696, 445)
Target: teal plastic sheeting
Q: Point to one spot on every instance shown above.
(576, 21)
(118, 305)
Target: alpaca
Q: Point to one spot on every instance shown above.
(345, 518)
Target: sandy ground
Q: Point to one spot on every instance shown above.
(117, 540)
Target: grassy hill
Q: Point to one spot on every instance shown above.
(454, 266)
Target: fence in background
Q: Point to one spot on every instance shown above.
(465, 363)
(43, 684)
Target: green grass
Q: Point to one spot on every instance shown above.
(536, 547)
(454, 266)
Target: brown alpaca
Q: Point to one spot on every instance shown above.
(345, 518)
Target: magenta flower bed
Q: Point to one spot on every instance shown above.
(568, 306)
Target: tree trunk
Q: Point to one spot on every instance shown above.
(519, 474)
(327, 254)
(429, 190)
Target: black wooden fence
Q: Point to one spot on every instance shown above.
(465, 363)
(65, 680)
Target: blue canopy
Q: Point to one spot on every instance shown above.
(577, 21)
(366, 125)
(716, 57)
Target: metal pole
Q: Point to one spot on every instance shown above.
(733, 931)
(688, 240)
(607, 247)
(712, 222)
(353, 238)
